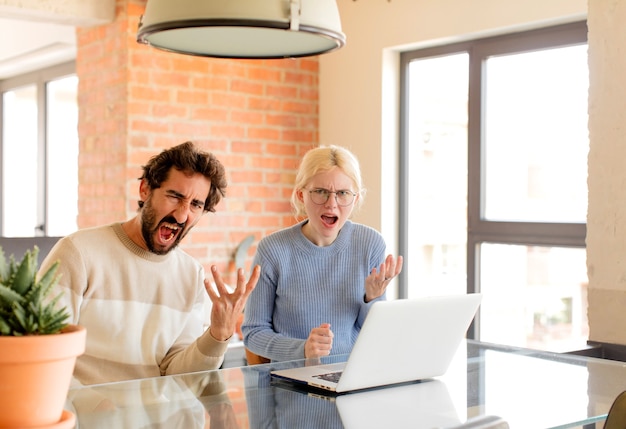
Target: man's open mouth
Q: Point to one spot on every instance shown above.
(168, 232)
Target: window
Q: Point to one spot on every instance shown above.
(493, 182)
(39, 148)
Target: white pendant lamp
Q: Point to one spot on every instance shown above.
(242, 28)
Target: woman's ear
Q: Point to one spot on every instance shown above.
(299, 195)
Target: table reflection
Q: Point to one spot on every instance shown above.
(185, 401)
(524, 388)
(278, 404)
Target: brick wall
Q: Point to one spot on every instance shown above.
(257, 116)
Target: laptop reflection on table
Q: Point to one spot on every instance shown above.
(420, 405)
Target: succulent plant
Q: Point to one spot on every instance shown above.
(25, 307)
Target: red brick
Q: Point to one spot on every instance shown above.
(257, 116)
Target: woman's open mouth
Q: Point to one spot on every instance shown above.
(329, 220)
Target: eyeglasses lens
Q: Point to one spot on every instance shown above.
(343, 198)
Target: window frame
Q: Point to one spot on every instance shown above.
(39, 79)
(480, 230)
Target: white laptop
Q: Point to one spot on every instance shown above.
(401, 341)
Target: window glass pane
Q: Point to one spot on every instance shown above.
(437, 182)
(62, 179)
(534, 296)
(19, 162)
(536, 138)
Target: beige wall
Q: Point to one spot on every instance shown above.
(359, 83)
(606, 220)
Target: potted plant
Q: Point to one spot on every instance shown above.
(38, 348)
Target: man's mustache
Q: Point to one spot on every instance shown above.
(169, 219)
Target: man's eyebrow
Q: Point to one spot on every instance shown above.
(198, 202)
(174, 193)
(182, 197)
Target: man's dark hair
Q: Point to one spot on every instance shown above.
(188, 158)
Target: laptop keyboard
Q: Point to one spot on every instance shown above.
(333, 377)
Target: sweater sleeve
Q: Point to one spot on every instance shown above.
(190, 354)
(71, 275)
(376, 258)
(257, 328)
(205, 353)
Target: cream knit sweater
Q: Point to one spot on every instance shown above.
(144, 313)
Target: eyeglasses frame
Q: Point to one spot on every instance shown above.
(328, 192)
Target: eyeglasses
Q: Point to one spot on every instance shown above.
(343, 197)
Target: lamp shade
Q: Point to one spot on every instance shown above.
(242, 28)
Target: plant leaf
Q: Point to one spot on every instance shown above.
(8, 296)
(49, 278)
(4, 266)
(24, 305)
(24, 277)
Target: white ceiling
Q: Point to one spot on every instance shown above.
(31, 45)
(41, 33)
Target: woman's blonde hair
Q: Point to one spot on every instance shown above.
(322, 159)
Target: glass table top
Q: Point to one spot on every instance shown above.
(525, 388)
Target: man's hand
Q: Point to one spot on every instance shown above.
(228, 306)
(320, 342)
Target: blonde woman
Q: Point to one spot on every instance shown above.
(320, 277)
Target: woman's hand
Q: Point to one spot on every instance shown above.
(376, 283)
(320, 342)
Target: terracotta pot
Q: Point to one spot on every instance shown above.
(35, 374)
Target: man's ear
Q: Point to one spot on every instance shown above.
(144, 190)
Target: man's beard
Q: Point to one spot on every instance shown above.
(148, 218)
